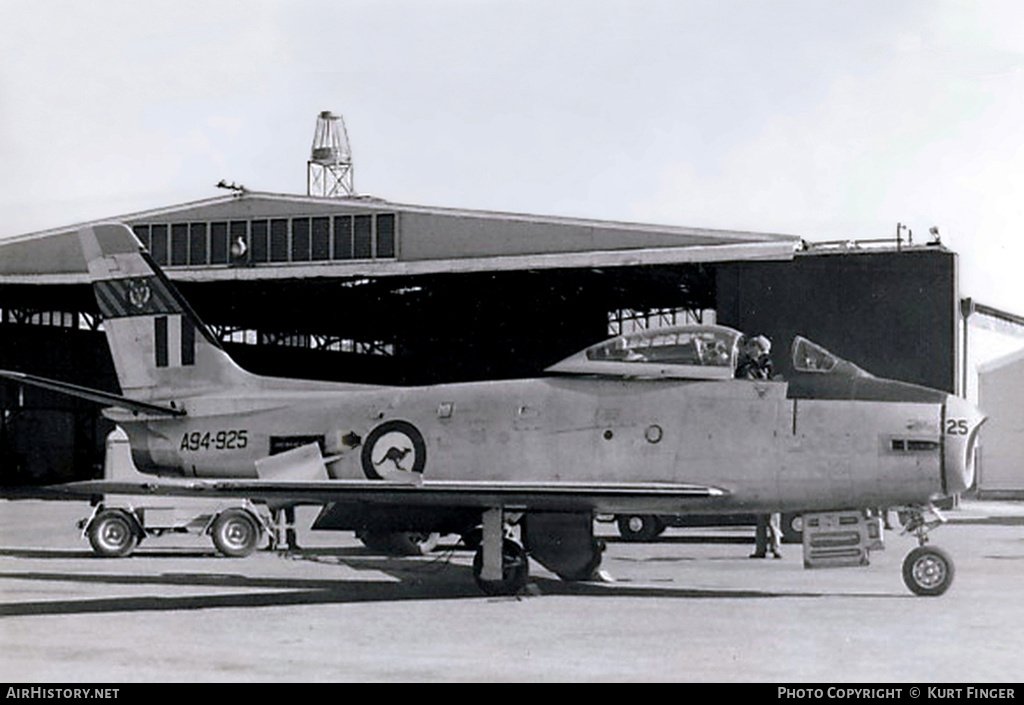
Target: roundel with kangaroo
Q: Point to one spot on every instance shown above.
(393, 450)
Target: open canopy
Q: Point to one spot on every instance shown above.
(690, 352)
(682, 352)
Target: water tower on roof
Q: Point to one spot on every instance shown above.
(329, 169)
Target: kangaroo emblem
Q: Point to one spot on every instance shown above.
(395, 454)
(394, 440)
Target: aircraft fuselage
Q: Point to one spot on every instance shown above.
(652, 421)
(766, 450)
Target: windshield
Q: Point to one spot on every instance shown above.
(810, 357)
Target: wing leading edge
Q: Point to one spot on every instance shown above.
(550, 496)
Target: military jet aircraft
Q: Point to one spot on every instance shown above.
(647, 423)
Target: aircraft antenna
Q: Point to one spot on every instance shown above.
(329, 169)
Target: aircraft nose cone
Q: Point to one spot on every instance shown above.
(960, 436)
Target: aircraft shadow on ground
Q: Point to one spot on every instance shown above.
(78, 553)
(417, 579)
(154, 552)
(686, 539)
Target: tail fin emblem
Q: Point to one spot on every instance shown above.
(138, 293)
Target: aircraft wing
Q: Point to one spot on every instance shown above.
(537, 496)
(95, 395)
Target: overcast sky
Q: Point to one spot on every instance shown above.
(821, 119)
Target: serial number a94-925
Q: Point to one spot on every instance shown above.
(214, 440)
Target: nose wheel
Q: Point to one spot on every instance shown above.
(928, 571)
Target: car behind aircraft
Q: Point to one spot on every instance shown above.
(651, 423)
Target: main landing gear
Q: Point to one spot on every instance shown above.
(927, 571)
(500, 566)
(515, 570)
(562, 542)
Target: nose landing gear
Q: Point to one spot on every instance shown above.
(928, 571)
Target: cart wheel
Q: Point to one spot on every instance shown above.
(235, 533)
(113, 534)
(928, 571)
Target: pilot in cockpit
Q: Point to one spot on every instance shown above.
(755, 360)
(716, 354)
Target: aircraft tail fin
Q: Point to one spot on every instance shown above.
(161, 349)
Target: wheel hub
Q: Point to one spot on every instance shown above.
(114, 533)
(236, 533)
(929, 571)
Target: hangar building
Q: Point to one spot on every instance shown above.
(1001, 455)
(362, 289)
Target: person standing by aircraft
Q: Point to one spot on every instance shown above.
(767, 536)
(285, 517)
(755, 361)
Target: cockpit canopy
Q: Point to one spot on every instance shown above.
(812, 358)
(691, 352)
(682, 352)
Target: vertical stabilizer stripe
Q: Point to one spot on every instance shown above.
(174, 341)
(181, 305)
(160, 333)
(188, 341)
(162, 298)
(134, 296)
(106, 302)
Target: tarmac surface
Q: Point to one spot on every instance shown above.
(689, 607)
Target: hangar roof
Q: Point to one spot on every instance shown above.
(289, 237)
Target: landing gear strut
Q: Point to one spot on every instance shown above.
(514, 570)
(927, 571)
(500, 566)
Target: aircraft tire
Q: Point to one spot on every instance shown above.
(400, 543)
(639, 527)
(414, 543)
(113, 534)
(928, 571)
(515, 570)
(590, 569)
(235, 533)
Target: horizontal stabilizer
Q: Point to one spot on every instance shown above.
(95, 395)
